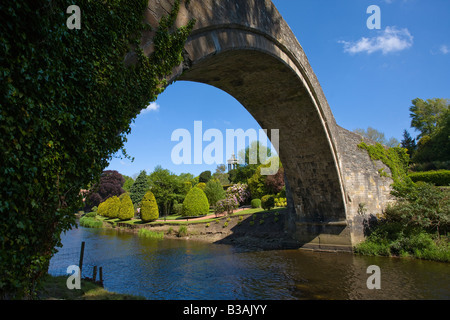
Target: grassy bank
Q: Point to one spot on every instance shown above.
(55, 288)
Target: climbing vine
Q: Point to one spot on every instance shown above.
(396, 159)
(67, 101)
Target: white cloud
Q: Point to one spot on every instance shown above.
(152, 107)
(444, 49)
(389, 40)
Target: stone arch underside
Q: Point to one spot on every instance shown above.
(245, 48)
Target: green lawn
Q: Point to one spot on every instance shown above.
(56, 288)
(178, 219)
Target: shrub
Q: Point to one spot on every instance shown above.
(439, 178)
(227, 205)
(109, 207)
(201, 185)
(280, 202)
(126, 208)
(113, 210)
(149, 207)
(196, 203)
(240, 191)
(89, 222)
(268, 202)
(91, 214)
(94, 209)
(422, 205)
(214, 192)
(103, 209)
(256, 203)
(282, 193)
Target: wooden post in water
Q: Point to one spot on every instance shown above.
(101, 275)
(94, 274)
(80, 265)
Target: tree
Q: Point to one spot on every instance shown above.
(275, 183)
(221, 174)
(426, 115)
(252, 160)
(67, 101)
(435, 146)
(128, 183)
(109, 185)
(196, 203)
(168, 188)
(205, 176)
(149, 207)
(408, 143)
(377, 136)
(139, 188)
(214, 192)
(126, 209)
(252, 154)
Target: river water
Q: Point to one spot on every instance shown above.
(190, 270)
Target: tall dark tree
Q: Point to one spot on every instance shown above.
(409, 143)
(109, 185)
(205, 176)
(139, 188)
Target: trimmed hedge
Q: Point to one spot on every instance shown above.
(103, 208)
(126, 209)
(149, 207)
(268, 202)
(439, 178)
(256, 203)
(196, 203)
(113, 208)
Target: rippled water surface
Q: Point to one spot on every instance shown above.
(179, 270)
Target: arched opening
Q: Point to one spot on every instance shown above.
(246, 49)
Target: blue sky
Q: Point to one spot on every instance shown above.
(369, 77)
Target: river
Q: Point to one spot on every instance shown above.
(191, 270)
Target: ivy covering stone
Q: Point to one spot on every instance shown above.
(67, 101)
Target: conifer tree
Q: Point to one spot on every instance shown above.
(139, 188)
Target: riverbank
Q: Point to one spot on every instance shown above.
(55, 288)
(252, 229)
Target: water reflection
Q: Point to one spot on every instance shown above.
(178, 269)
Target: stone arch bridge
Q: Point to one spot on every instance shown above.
(245, 48)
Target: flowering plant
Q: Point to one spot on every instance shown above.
(228, 205)
(241, 191)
